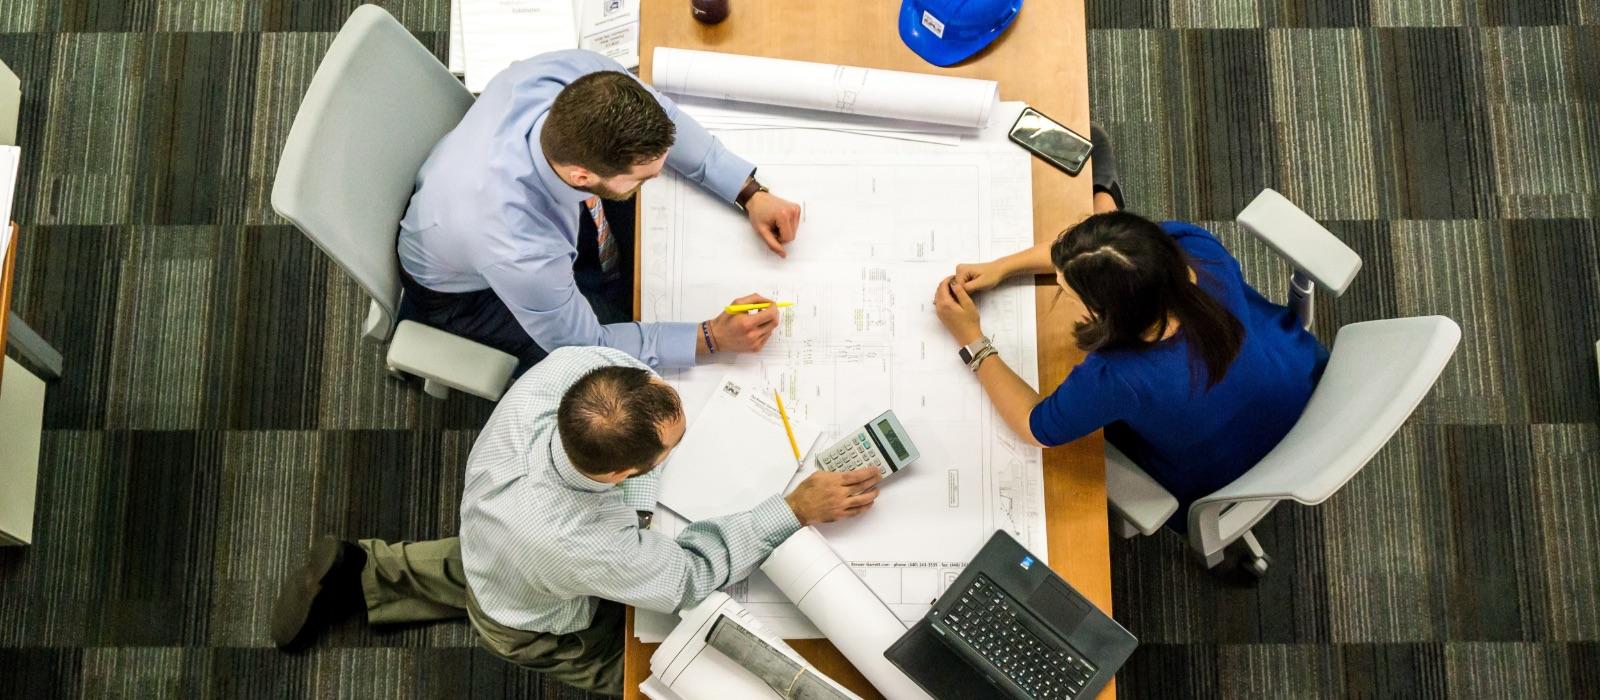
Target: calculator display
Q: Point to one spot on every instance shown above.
(887, 431)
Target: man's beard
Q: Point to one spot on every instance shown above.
(604, 192)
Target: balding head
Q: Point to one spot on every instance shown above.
(618, 418)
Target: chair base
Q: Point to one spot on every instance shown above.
(1253, 559)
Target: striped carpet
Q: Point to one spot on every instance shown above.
(219, 410)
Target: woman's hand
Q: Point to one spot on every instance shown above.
(977, 277)
(957, 312)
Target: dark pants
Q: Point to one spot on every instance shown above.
(482, 317)
(408, 582)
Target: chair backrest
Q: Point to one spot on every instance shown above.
(1296, 237)
(1377, 374)
(376, 106)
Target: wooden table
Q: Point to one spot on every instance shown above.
(1041, 60)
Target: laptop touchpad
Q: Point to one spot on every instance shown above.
(1058, 606)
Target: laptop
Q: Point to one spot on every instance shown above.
(1010, 623)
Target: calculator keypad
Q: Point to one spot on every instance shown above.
(853, 452)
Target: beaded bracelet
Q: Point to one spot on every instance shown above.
(705, 331)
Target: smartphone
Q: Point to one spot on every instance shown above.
(1048, 139)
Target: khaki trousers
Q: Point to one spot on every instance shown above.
(424, 581)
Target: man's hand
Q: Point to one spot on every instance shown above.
(774, 218)
(957, 312)
(828, 496)
(746, 332)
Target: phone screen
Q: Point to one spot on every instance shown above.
(1051, 140)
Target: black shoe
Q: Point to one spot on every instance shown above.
(325, 591)
(1105, 166)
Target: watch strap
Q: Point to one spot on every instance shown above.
(749, 190)
(971, 351)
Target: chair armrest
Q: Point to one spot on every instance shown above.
(1299, 239)
(378, 326)
(1135, 496)
(450, 360)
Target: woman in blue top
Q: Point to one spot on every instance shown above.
(1190, 371)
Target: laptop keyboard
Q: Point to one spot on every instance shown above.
(986, 619)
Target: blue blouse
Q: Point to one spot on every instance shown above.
(1190, 439)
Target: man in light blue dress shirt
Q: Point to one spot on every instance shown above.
(558, 490)
(519, 233)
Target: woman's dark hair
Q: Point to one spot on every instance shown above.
(1133, 277)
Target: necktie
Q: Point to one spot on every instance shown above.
(608, 245)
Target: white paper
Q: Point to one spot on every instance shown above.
(883, 221)
(610, 28)
(690, 669)
(455, 58)
(653, 688)
(497, 33)
(921, 97)
(10, 157)
(858, 624)
(736, 453)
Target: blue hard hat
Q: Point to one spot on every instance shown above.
(944, 32)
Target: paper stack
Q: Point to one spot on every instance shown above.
(10, 156)
(736, 453)
(486, 36)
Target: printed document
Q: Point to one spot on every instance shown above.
(497, 33)
(736, 453)
(486, 36)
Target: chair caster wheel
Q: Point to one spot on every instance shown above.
(1257, 566)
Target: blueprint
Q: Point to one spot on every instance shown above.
(883, 221)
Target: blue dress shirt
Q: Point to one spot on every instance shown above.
(1191, 439)
(489, 212)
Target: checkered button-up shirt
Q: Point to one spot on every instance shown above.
(541, 542)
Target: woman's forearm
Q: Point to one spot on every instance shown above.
(1013, 399)
(1029, 261)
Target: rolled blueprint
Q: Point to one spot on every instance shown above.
(840, 604)
(940, 99)
(720, 650)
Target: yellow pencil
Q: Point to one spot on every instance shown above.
(786, 427)
(741, 308)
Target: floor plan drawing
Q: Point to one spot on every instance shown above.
(883, 223)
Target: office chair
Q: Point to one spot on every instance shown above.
(376, 106)
(1377, 373)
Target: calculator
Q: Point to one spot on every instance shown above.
(881, 443)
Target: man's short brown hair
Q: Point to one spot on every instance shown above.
(611, 420)
(606, 122)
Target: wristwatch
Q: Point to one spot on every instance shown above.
(978, 351)
(751, 188)
(645, 517)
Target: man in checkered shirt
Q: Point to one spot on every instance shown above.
(559, 488)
